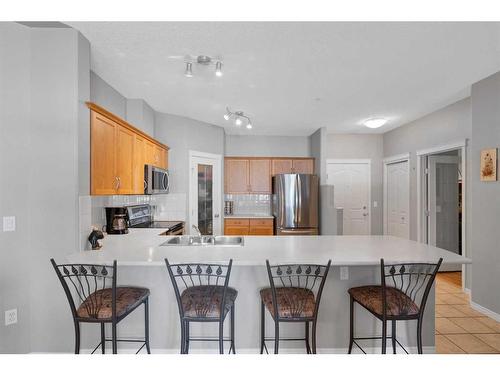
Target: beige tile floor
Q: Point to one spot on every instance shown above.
(459, 328)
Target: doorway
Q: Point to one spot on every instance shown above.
(441, 199)
(397, 196)
(351, 178)
(205, 193)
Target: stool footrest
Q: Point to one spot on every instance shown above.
(376, 338)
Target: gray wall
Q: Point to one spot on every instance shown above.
(484, 233)
(447, 125)
(103, 94)
(363, 146)
(182, 134)
(317, 145)
(256, 145)
(141, 115)
(15, 134)
(42, 142)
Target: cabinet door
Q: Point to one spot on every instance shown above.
(125, 140)
(280, 166)
(261, 231)
(303, 166)
(235, 231)
(162, 163)
(158, 154)
(236, 176)
(103, 155)
(139, 162)
(149, 152)
(260, 176)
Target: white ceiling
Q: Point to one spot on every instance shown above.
(293, 78)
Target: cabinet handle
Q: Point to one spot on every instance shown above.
(119, 182)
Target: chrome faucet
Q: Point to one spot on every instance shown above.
(197, 230)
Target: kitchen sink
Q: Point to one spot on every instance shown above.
(204, 241)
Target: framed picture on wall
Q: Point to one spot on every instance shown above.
(489, 164)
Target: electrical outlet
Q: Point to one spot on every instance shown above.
(375, 204)
(10, 317)
(9, 223)
(344, 273)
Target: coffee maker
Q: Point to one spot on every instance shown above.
(116, 220)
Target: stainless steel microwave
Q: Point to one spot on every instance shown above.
(156, 180)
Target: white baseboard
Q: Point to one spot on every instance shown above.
(467, 291)
(368, 350)
(493, 315)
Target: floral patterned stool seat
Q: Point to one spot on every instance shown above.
(401, 295)
(204, 301)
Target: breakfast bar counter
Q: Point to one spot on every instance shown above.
(140, 259)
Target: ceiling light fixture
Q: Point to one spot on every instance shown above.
(239, 118)
(374, 123)
(189, 70)
(201, 60)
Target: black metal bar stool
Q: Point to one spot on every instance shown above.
(295, 299)
(101, 301)
(408, 283)
(205, 297)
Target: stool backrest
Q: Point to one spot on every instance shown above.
(83, 281)
(187, 275)
(303, 276)
(413, 279)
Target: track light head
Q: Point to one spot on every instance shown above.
(189, 70)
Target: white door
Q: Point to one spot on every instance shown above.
(205, 193)
(351, 182)
(443, 202)
(398, 199)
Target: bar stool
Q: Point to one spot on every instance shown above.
(205, 297)
(295, 300)
(408, 282)
(99, 300)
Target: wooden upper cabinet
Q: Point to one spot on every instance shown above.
(236, 176)
(118, 153)
(125, 160)
(139, 162)
(280, 166)
(303, 166)
(260, 176)
(103, 155)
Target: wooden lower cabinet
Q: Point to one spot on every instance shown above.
(252, 227)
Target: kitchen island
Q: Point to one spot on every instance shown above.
(141, 257)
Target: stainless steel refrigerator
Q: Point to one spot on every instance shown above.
(295, 204)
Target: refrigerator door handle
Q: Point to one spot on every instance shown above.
(299, 200)
(297, 205)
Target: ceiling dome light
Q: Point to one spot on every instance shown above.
(374, 123)
(218, 69)
(189, 70)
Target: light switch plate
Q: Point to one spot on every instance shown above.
(344, 273)
(375, 204)
(9, 223)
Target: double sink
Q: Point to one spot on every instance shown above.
(204, 241)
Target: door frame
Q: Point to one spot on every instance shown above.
(394, 160)
(421, 219)
(356, 161)
(217, 188)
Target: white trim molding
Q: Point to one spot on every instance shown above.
(348, 161)
(493, 315)
(393, 160)
(396, 158)
(442, 148)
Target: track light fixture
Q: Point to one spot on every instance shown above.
(202, 60)
(239, 117)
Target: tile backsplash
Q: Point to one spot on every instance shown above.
(171, 206)
(258, 204)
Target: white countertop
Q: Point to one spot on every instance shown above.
(140, 247)
(248, 216)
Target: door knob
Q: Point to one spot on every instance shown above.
(216, 215)
(364, 207)
(365, 214)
